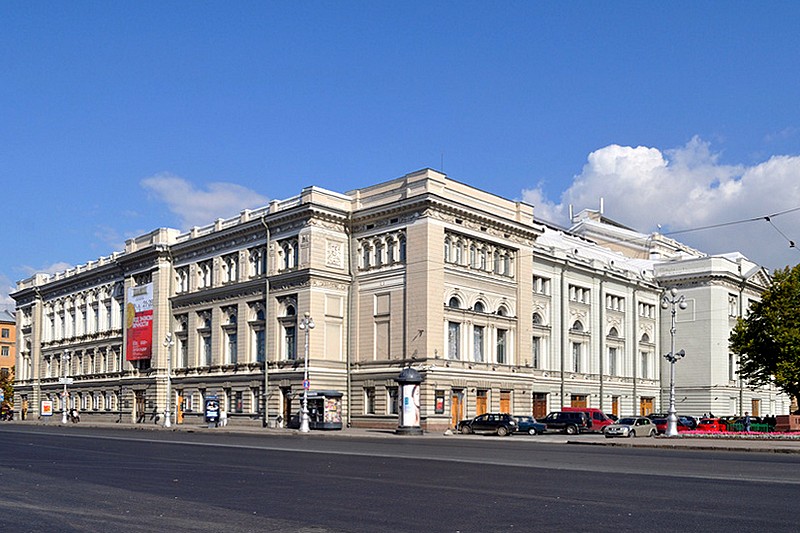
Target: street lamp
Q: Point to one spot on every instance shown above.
(168, 344)
(306, 324)
(64, 398)
(671, 300)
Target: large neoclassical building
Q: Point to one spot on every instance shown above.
(496, 310)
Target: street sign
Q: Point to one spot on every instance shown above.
(306, 384)
(68, 381)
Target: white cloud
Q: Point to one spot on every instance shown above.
(687, 188)
(197, 207)
(6, 288)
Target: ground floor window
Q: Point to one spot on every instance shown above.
(369, 400)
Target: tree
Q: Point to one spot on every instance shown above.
(768, 339)
(7, 385)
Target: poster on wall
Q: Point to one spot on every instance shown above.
(139, 323)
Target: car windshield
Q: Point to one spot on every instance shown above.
(627, 421)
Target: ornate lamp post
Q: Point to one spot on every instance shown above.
(64, 397)
(168, 344)
(306, 324)
(671, 300)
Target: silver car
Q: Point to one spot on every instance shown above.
(631, 426)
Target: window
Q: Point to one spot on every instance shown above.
(502, 335)
(204, 278)
(6, 333)
(733, 305)
(645, 373)
(576, 357)
(541, 285)
(578, 294)
(232, 348)
(732, 364)
(369, 400)
(647, 310)
(453, 340)
(454, 303)
(392, 405)
(477, 343)
(206, 347)
(258, 265)
(536, 351)
(230, 268)
(182, 279)
(4, 351)
(261, 345)
(615, 303)
(612, 361)
(478, 307)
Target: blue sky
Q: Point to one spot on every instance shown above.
(120, 117)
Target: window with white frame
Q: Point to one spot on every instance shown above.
(502, 342)
(578, 294)
(182, 279)
(204, 274)
(612, 361)
(577, 354)
(369, 400)
(541, 285)
(478, 342)
(536, 351)
(453, 340)
(257, 261)
(392, 402)
(615, 303)
(230, 268)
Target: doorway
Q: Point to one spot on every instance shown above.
(456, 407)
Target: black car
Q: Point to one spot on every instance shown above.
(501, 424)
(570, 422)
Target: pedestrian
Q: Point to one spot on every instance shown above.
(223, 417)
(747, 421)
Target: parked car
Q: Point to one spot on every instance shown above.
(711, 425)
(661, 425)
(599, 419)
(501, 424)
(570, 422)
(529, 425)
(631, 426)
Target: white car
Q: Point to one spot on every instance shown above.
(631, 426)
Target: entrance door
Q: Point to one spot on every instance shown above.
(481, 402)
(539, 405)
(456, 407)
(179, 409)
(645, 406)
(140, 413)
(505, 401)
(615, 405)
(755, 407)
(578, 400)
(286, 396)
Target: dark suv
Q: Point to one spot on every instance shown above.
(500, 423)
(570, 422)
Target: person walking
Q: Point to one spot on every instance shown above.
(747, 421)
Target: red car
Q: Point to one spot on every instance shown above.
(711, 425)
(661, 425)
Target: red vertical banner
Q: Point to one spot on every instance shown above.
(139, 322)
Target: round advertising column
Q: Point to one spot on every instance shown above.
(408, 382)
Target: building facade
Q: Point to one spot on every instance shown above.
(495, 310)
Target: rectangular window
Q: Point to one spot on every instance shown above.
(502, 335)
(645, 373)
(453, 340)
(576, 357)
(392, 405)
(290, 342)
(261, 345)
(233, 348)
(6, 333)
(207, 350)
(4, 351)
(731, 367)
(612, 361)
(369, 400)
(536, 350)
(477, 344)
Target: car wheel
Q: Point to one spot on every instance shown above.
(571, 430)
(466, 430)
(652, 433)
(502, 431)
(631, 434)
(532, 431)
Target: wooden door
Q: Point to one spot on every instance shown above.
(645, 406)
(615, 405)
(755, 407)
(579, 400)
(141, 412)
(179, 409)
(539, 405)
(481, 402)
(456, 407)
(505, 401)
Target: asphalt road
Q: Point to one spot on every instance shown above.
(61, 479)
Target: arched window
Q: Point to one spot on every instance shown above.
(646, 338)
(478, 307)
(613, 332)
(577, 326)
(454, 303)
(502, 311)
(537, 319)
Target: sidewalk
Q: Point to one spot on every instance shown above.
(743, 443)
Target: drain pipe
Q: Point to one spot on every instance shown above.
(350, 297)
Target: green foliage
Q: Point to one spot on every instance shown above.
(768, 340)
(7, 384)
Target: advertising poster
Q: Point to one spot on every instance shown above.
(47, 408)
(139, 323)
